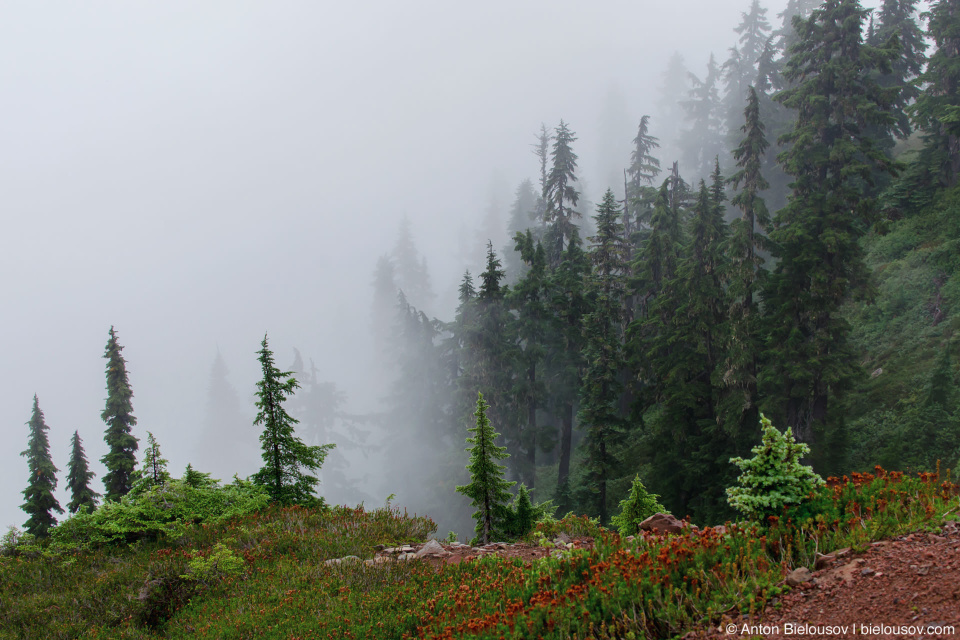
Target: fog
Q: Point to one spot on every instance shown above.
(198, 174)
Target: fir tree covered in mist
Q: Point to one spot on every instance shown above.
(82, 496)
(937, 109)
(121, 459)
(287, 460)
(815, 237)
(40, 503)
(702, 140)
(601, 389)
(737, 373)
(560, 193)
(529, 299)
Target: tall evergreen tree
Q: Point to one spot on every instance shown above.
(564, 359)
(816, 235)
(644, 168)
(529, 300)
(897, 20)
(287, 460)
(561, 195)
(687, 449)
(737, 373)
(674, 89)
(494, 352)
(603, 351)
(937, 110)
(82, 496)
(411, 268)
(702, 140)
(121, 459)
(754, 32)
(523, 213)
(487, 489)
(40, 502)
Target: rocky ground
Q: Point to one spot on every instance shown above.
(908, 587)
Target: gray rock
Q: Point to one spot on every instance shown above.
(562, 537)
(432, 548)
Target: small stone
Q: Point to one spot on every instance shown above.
(867, 571)
(562, 537)
(798, 576)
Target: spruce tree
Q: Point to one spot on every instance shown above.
(643, 169)
(154, 469)
(603, 351)
(121, 459)
(529, 300)
(897, 20)
(815, 237)
(737, 373)
(702, 140)
(494, 351)
(488, 491)
(937, 110)
(287, 460)
(561, 195)
(78, 478)
(40, 501)
(565, 358)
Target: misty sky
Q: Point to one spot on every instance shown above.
(198, 173)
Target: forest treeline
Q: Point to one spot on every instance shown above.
(751, 271)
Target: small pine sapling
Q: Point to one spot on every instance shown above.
(773, 478)
(639, 505)
(487, 490)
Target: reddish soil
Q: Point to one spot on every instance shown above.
(908, 587)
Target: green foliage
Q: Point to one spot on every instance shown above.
(652, 587)
(221, 563)
(488, 491)
(286, 457)
(121, 459)
(160, 512)
(773, 478)
(40, 501)
(153, 471)
(523, 515)
(635, 508)
(78, 478)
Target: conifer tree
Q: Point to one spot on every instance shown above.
(121, 459)
(522, 216)
(603, 351)
(494, 353)
(411, 268)
(702, 140)
(897, 20)
(754, 32)
(561, 195)
(644, 168)
(816, 235)
(487, 490)
(568, 306)
(937, 110)
(78, 478)
(529, 299)
(687, 445)
(737, 373)
(40, 501)
(287, 460)
(154, 464)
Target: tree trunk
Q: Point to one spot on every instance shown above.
(566, 441)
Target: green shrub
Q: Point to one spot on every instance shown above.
(773, 478)
(639, 505)
(160, 511)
